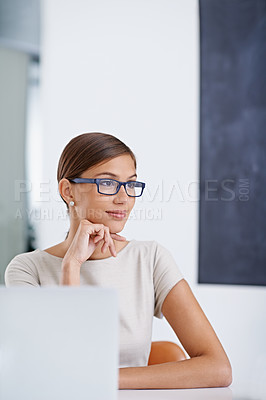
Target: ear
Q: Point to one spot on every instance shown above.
(65, 190)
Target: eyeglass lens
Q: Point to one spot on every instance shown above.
(108, 186)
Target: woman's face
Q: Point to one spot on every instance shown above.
(91, 205)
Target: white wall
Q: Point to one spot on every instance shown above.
(131, 68)
(13, 95)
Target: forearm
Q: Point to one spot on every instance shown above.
(196, 372)
(70, 274)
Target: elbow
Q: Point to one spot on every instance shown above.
(225, 376)
(228, 379)
(219, 372)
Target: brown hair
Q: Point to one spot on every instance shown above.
(89, 149)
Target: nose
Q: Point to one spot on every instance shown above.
(122, 194)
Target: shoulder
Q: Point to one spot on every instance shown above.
(152, 248)
(146, 248)
(151, 245)
(27, 258)
(21, 266)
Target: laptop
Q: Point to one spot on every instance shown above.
(59, 343)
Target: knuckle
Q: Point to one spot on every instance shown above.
(84, 222)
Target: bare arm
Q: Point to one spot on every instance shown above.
(208, 365)
(70, 273)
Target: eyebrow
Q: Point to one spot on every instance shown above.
(114, 175)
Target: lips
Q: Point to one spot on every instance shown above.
(117, 213)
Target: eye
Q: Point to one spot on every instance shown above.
(131, 185)
(108, 183)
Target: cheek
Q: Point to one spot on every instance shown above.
(132, 202)
(85, 194)
(96, 206)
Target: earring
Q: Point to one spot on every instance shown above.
(71, 203)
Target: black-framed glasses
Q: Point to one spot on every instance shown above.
(112, 186)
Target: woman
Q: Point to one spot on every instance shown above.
(98, 182)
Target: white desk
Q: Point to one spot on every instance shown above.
(177, 394)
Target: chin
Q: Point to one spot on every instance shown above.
(115, 226)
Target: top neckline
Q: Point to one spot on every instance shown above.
(92, 261)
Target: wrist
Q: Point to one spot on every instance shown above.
(71, 263)
(70, 273)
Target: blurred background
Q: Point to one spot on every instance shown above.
(132, 69)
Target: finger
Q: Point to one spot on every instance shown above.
(117, 237)
(106, 242)
(99, 234)
(110, 242)
(97, 239)
(112, 247)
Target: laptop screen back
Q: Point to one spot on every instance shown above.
(58, 343)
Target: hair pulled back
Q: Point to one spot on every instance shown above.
(87, 150)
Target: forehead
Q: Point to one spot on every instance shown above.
(120, 165)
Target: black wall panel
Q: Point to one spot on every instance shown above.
(232, 207)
